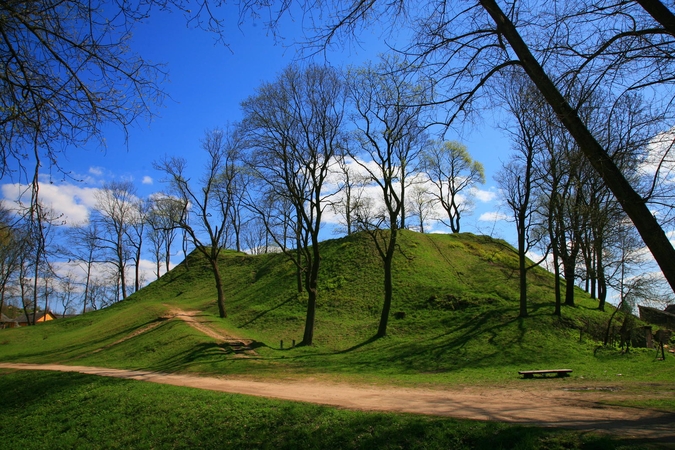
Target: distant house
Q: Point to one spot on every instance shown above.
(6, 322)
(40, 316)
(655, 316)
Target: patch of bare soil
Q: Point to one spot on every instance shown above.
(534, 404)
(198, 321)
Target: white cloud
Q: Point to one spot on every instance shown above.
(492, 216)
(147, 180)
(483, 196)
(659, 156)
(97, 171)
(70, 203)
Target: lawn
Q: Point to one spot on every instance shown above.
(66, 410)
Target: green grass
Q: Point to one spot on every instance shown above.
(67, 410)
(456, 297)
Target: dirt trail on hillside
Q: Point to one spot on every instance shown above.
(197, 320)
(533, 404)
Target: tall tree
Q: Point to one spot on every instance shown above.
(350, 185)
(518, 177)
(452, 172)
(388, 104)
(421, 204)
(624, 46)
(205, 207)
(294, 127)
(116, 204)
(12, 245)
(135, 235)
(85, 250)
(163, 215)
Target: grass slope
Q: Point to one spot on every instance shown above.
(455, 319)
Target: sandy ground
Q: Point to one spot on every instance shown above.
(531, 405)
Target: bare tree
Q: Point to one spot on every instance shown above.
(67, 70)
(84, 250)
(421, 204)
(389, 130)
(67, 293)
(134, 235)
(281, 220)
(116, 204)
(163, 215)
(350, 185)
(206, 208)
(256, 238)
(517, 177)
(12, 245)
(625, 46)
(294, 127)
(452, 172)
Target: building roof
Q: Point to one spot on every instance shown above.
(39, 315)
(5, 319)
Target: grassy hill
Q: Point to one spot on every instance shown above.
(454, 320)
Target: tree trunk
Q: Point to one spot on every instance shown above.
(660, 13)
(521, 227)
(631, 202)
(86, 287)
(312, 294)
(523, 274)
(556, 273)
(553, 237)
(308, 336)
(387, 259)
(388, 285)
(137, 278)
(298, 279)
(602, 291)
(388, 294)
(569, 268)
(600, 272)
(219, 287)
(454, 217)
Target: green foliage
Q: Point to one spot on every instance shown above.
(69, 410)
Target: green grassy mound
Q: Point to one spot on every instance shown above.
(454, 319)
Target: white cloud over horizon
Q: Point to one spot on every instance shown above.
(96, 171)
(483, 195)
(493, 216)
(69, 203)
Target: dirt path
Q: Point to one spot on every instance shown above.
(534, 406)
(241, 347)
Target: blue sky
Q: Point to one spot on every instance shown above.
(206, 83)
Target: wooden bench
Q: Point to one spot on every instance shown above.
(532, 373)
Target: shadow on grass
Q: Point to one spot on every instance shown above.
(35, 386)
(80, 350)
(500, 331)
(358, 346)
(258, 316)
(73, 399)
